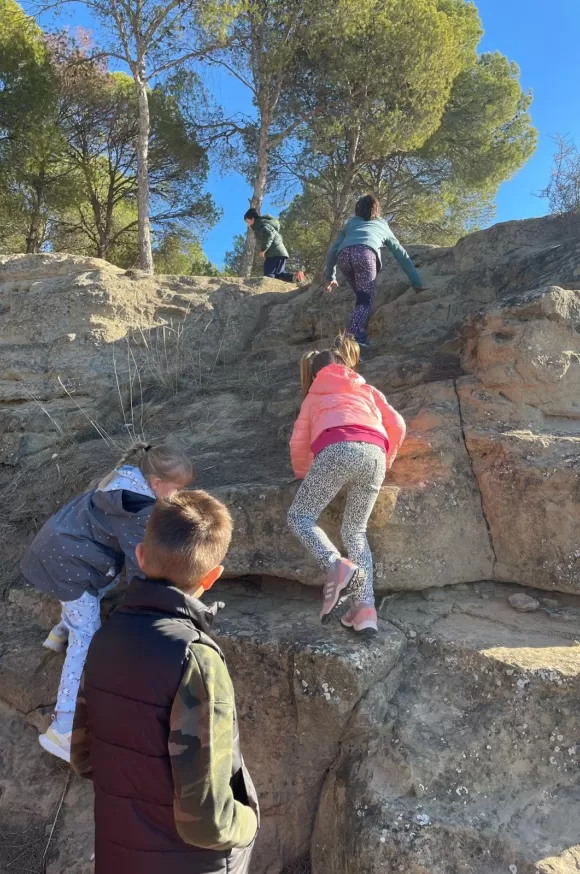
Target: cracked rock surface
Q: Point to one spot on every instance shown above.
(448, 746)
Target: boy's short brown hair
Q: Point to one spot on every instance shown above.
(187, 536)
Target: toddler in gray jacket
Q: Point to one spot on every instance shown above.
(80, 551)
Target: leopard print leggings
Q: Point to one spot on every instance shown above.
(361, 468)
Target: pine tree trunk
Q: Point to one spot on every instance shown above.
(145, 252)
(33, 236)
(263, 156)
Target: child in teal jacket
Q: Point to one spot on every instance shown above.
(357, 251)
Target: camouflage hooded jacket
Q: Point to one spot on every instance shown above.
(156, 730)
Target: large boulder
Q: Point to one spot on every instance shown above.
(428, 528)
(521, 414)
(446, 746)
(91, 348)
(471, 764)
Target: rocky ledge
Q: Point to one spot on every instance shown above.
(449, 745)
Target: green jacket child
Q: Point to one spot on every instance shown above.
(271, 246)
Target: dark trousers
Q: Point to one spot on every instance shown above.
(274, 269)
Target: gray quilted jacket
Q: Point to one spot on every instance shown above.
(85, 545)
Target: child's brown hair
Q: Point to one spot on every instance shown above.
(368, 207)
(165, 460)
(345, 351)
(187, 536)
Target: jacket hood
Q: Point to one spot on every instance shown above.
(110, 498)
(336, 378)
(160, 596)
(267, 219)
(111, 503)
(130, 479)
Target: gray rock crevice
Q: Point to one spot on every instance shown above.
(475, 480)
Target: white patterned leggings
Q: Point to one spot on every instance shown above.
(361, 467)
(80, 620)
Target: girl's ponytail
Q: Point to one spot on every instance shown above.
(347, 349)
(164, 460)
(306, 375)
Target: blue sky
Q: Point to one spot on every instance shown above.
(540, 35)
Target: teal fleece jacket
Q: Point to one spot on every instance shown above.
(374, 234)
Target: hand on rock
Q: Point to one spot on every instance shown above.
(331, 286)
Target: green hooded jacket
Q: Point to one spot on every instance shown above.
(267, 231)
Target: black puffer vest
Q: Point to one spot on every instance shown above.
(134, 669)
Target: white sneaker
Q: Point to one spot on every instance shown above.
(56, 743)
(56, 641)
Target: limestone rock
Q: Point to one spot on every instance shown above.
(523, 603)
(31, 787)
(456, 754)
(463, 767)
(301, 686)
(427, 529)
(485, 485)
(459, 751)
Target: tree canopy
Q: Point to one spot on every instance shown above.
(433, 133)
(69, 176)
(389, 96)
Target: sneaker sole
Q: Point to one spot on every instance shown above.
(54, 647)
(50, 747)
(340, 597)
(367, 632)
(364, 626)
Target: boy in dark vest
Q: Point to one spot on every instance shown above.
(155, 726)
(266, 230)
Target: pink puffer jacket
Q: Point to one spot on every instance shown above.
(337, 397)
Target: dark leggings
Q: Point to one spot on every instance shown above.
(359, 266)
(274, 269)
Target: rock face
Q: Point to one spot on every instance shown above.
(522, 426)
(472, 764)
(484, 364)
(449, 745)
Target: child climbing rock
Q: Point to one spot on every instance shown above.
(79, 552)
(346, 435)
(357, 251)
(266, 229)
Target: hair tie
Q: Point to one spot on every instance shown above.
(147, 448)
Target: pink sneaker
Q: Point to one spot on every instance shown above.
(340, 575)
(363, 618)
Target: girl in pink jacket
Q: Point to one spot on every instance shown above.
(346, 435)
